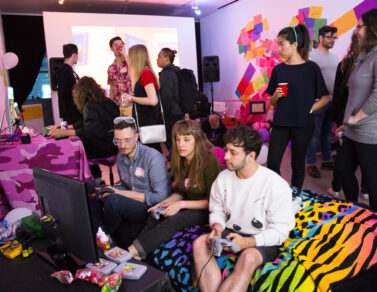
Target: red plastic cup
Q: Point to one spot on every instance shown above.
(284, 88)
(119, 48)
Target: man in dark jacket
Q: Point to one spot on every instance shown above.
(214, 129)
(169, 91)
(66, 79)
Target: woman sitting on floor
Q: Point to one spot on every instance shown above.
(94, 130)
(194, 169)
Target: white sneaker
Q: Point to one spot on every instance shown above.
(364, 196)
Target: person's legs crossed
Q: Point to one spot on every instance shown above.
(278, 143)
(118, 208)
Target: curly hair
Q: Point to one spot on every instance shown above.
(86, 90)
(201, 153)
(370, 21)
(246, 137)
(348, 62)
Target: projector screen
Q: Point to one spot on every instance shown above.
(92, 32)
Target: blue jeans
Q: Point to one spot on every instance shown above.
(118, 208)
(321, 135)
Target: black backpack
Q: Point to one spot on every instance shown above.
(187, 90)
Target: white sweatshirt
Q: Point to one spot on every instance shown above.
(260, 205)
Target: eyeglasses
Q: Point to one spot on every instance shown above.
(331, 37)
(119, 142)
(359, 26)
(128, 120)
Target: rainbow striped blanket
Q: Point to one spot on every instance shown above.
(331, 242)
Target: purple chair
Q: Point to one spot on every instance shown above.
(108, 161)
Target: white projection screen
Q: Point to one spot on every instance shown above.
(91, 33)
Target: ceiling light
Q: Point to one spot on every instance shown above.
(61, 2)
(198, 12)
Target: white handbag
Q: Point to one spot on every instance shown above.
(154, 133)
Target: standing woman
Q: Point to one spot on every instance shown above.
(145, 88)
(194, 169)
(307, 93)
(360, 118)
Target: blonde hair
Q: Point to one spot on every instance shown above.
(138, 60)
(201, 153)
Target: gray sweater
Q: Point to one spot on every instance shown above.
(362, 86)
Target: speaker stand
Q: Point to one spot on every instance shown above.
(212, 98)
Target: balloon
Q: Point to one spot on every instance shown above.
(16, 215)
(10, 60)
(264, 133)
(262, 158)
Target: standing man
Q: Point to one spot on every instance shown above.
(66, 78)
(249, 204)
(117, 74)
(322, 118)
(169, 91)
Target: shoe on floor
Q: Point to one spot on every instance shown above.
(332, 193)
(327, 165)
(364, 196)
(313, 171)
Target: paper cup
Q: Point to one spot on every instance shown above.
(284, 87)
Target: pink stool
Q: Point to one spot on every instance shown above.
(108, 161)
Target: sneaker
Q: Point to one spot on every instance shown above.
(313, 171)
(364, 196)
(327, 165)
(332, 193)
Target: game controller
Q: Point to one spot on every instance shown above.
(103, 191)
(219, 243)
(156, 213)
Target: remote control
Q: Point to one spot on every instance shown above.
(218, 244)
(156, 213)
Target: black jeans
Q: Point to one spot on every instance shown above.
(353, 154)
(157, 232)
(300, 138)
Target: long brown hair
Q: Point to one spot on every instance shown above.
(201, 153)
(370, 21)
(86, 90)
(348, 62)
(138, 59)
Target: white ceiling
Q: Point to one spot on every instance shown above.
(143, 7)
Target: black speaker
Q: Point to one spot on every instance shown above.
(211, 69)
(55, 64)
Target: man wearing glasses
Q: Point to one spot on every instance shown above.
(328, 63)
(143, 175)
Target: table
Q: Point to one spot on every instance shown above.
(33, 274)
(65, 156)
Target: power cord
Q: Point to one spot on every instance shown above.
(203, 269)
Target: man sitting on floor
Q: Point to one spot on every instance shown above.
(249, 204)
(144, 180)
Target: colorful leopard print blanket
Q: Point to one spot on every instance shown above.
(331, 242)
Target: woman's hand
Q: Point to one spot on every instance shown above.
(278, 93)
(57, 132)
(342, 128)
(172, 208)
(352, 120)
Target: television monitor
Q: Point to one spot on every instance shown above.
(65, 200)
(55, 64)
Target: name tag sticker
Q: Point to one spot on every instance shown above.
(139, 171)
(186, 182)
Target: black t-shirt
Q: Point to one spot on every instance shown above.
(305, 85)
(66, 79)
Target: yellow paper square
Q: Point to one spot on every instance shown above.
(252, 46)
(245, 99)
(294, 21)
(250, 26)
(249, 56)
(315, 12)
(266, 25)
(346, 22)
(261, 51)
(258, 82)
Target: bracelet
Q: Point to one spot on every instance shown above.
(183, 206)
